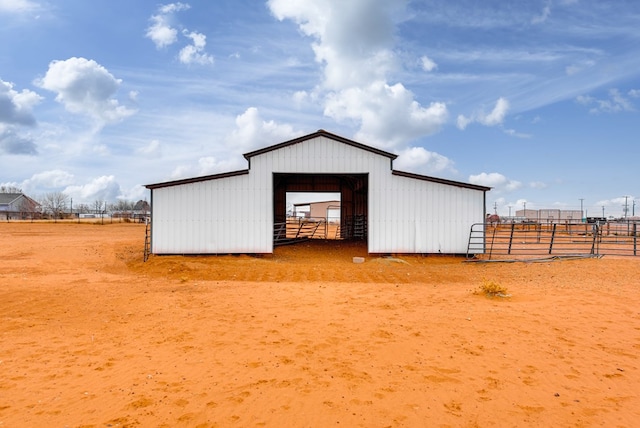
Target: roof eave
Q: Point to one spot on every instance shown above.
(440, 180)
(196, 179)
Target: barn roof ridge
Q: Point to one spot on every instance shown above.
(320, 133)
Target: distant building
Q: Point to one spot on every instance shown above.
(17, 206)
(550, 215)
(329, 210)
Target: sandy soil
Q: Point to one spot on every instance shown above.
(92, 336)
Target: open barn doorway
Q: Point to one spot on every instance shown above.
(319, 206)
(315, 215)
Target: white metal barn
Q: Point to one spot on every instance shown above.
(235, 212)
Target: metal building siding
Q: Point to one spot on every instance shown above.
(418, 216)
(234, 213)
(228, 215)
(319, 155)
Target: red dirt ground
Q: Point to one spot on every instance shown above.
(93, 337)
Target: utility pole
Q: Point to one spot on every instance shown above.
(495, 208)
(626, 206)
(581, 210)
(603, 212)
(509, 210)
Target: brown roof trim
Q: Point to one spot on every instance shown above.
(320, 133)
(196, 179)
(440, 180)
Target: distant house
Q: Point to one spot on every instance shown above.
(17, 206)
(328, 210)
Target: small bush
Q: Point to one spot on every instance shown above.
(493, 289)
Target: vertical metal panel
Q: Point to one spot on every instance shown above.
(418, 216)
(226, 215)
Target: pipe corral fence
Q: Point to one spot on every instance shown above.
(295, 229)
(530, 238)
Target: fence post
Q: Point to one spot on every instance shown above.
(553, 235)
(513, 225)
(635, 237)
(595, 237)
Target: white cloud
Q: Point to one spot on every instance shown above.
(614, 104)
(634, 93)
(104, 188)
(354, 40)
(151, 150)
(194, 53)
(538, 185)
(428, 64)
(160, 31)
(48, 180)
(493, 118)
(389, 115)
(253, 132)
(544, 15)
(18, 6)
(12, 143)
(578, 67)
(15, 107)
(496, 181)
(163, 34)
(85, 87)
(420, 160)
(514, 133)
(207, 165)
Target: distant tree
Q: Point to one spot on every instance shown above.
(82, 209)
(10, 189)
(122, 206)
(142, 206)
(54, 203)
(98, 206)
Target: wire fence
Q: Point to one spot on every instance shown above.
(555, 239)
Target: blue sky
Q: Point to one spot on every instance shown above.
(539, 100)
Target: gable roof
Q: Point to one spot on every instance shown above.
(7, 198)
(320, 133)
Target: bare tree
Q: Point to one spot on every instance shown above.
(98, 206)
(10, 189)
(55, 203)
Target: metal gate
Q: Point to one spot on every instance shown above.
(553, 239)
